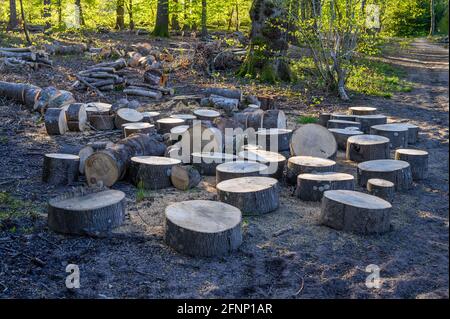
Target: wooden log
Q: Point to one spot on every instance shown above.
(31, 95)
(381, 188)
(55, 121)
(127, 115)
(228, 105)
(61, 99)
(313, 140)
(307, 164)
(188, 118)
(176, 133)
(185, 177)
(117, 65)
(60, 169)
(228, 93)
(324, 118)
(362, 110)
(395, 171)
(76, 117)
(310, 187)
(146, 93)
(343, 124)
(150, 117)
(274, 139)
(102, 122)
(164, 125)
(267, 102)
(361, 148)
(417, 159)
(206, 162)
(367, 121)
(396, 133)
(237, 169)
(206, 114)
(203, 228)
(151, 172)
(87, 212)
(163, 90)
(14, 91)
(97, 108)
(252, 195)
(155, 77)
(355, 212)
(45, 96)
(413, 133)
(274, 161)
(202, 138)
(343, 117)
(139, 127)
(274, 119)
(109, 165)
(342, 134)
(60, 49)
(97, 70)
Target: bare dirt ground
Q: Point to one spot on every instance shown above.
(285, 254)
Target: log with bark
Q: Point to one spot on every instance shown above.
(361, 148)
(237, 169)
(229, 105)
(62, 49)
(417, 159)
(185, 177)
(155, 77)
(127, 115)
(151, 172)
(76, 117)
(395, 171)
(310, 187)
(381, 188)
(307, 164)
(60, 169)
(55, 121)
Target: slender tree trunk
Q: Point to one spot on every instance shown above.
(175, 23)
(25, 28)
(120, 15)
(186, 11)
(47, 14)
(204, 17)
(80, 11)
(238, 22)
(59, 10)
(162, 19)
(230, 20)
(433, 18)
(13, 22)
(130, 14)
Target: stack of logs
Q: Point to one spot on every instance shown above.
(20, 58)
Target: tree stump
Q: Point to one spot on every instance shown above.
(252, 195)
(381, 188)
(150, 117)
(89, 214)
(417, 159)
(413, 133)
(177, 132)
(151, 172)
(164, 125)
(237, 169)
(188, 118)
(206, 114)
(362, 110)
(97, 108)
(102, 122)
(60, 169)
(367, 121)
(395, 171)
(126, 115)
(139, 127)
(55, 121)
(343, 117)
(274, 161)
(355, 212)
(76, 117)
(274, 139)
(324, 118)
(361, 148)
(313, 140)
(203, 228)
(206, 163)
(343, 124)
(396, 133)
(310, 187)
(185, 177)
(342, 134)
(307, 164)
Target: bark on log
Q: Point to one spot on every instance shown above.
(44, 98)
(238, 169)
(274, 119)
(127, 115)
(155, 77)
(367, 121)
(343, 117)
(117, 65)
(150, 117)
(274, 161)
(55, 121)
(396, 133)
(267, 102)
(227, 104)
(273, 139)
(102, 122)
(61, 99)
(343, 124)
(362, 110)
(185, 177)
(324, 118)
(361, 148)
(202, 138)
(76, 117)
(395, 171)
(413, 133)
(206, 163)
(176, 133)
(151, 172)
(164, 125)
(417, 159)
(146, 93)
(252, 195)
(203, 228)
(206, 114)
(342, 135)
(60, 169)
(139, 127)
(55, 49)
(381, 188)
(307, 164)
(228, 93)
(310, 187)
(313, 140)
(355, 212)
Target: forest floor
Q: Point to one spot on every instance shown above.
(285, 254)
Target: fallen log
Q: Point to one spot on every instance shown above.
(61, 49)
(229, 105)
(155, 77)
(142, 92)
(224, 92)
(55, 121)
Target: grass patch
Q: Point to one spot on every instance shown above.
(13, 209)
(141, 193)
(306, 119)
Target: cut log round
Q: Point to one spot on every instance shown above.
(324, 118)
(355, 212)
(395, 171)
(396, 133)
(274, 119)
(367, 121)
(150, 117)
(361, 148)
(60, 169)
(151, 172)
(127, 115)
(343, 124)
(413, 133)
(206, 163)
(237, 169)
(342, 134)
(55, 121)
(381, 188)
(91, 214)
(202, 138)
(176, 133)
(188, 118)
(310, 187)
(307, 164)
(98, 108)
(84, 154)
(252, 195)
(274, 161)
(229, 93)
(102, 122)
(139, 127)
(313, 140)
(343, 117)
(76, 117)
(185, 177)
(164, 125)
(203, 228)
(362, 110)
(417, 159)
(206, 114)
(274, 139)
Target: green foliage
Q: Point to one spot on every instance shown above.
(12, 209)
(306, 119)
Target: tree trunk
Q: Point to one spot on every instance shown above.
(162, 19)
(13, 22)
(433, 18)
(130, 14)
(47, 13)
(204, 17)
(25, 30)
(80, 11)
(120, 15)
(59, 9)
